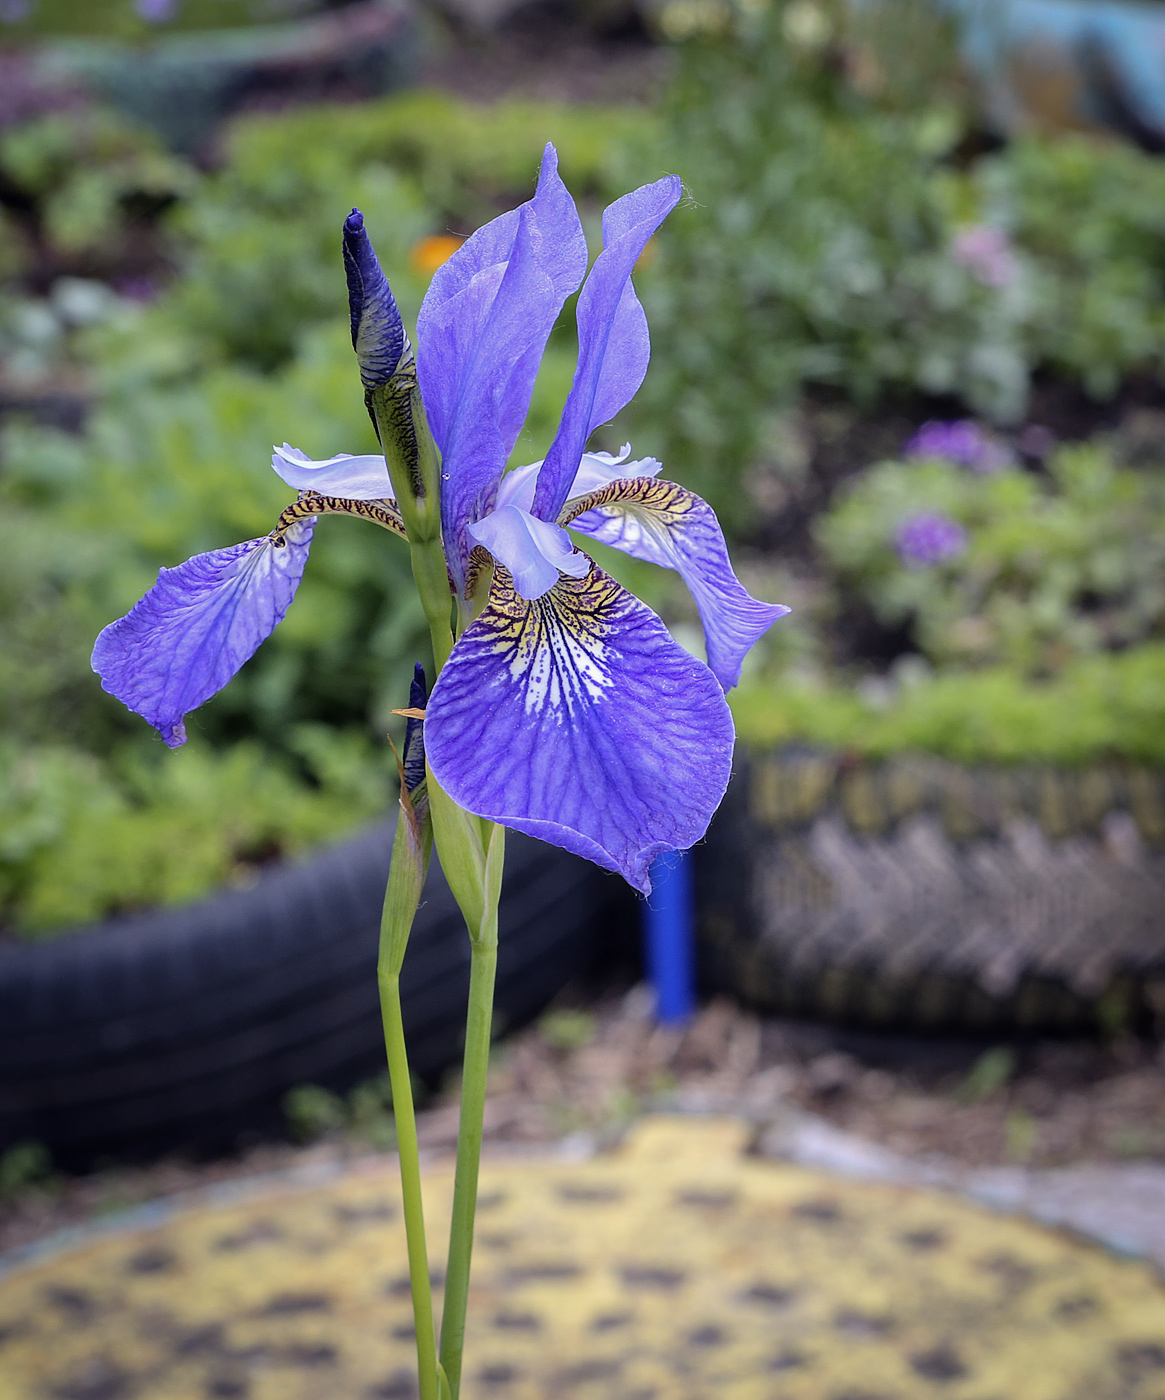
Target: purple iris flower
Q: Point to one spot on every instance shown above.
(929, 538)
(566, 710)
(963, 442)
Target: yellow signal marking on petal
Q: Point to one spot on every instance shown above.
(382, 513)
(555, 646)
(639, 495)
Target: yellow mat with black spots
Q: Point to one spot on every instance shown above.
(677, 1268)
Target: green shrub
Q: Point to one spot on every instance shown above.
(1098, 707)
(1053, 565)
(82, 839)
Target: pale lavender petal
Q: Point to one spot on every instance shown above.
(668, 525)
(596, 469)
(351, 478)
(614, 347)
(199, 623)
(481, 333)
(534, 551)
(577, 719)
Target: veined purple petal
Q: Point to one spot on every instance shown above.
(481, 332)
(596, 469)
(577, 719)
(378, 334)
(668, 525)
(353, 478)
(196, 627)
(613, 344)
(533, 550)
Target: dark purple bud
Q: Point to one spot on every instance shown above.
(414, 750)
(378, 335)
(929, 538)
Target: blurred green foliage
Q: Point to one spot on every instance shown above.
(81, 839)
(837, 239)
(1097, 707)
(1057, 563)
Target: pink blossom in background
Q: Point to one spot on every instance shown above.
(987, 254)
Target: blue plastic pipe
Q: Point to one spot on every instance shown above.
(668, 937)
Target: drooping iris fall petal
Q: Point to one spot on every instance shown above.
(668, 525)
(577, 719)
(195, 628)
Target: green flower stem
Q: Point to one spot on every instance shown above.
(411, 848)
(475, 1072)
(410, 1182)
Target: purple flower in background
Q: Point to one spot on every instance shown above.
(962, 441)
(929, 538)
(156, 11)
(566, 710)
(987, 254)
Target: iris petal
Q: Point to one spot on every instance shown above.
(596, 469)
(534, 551)
(577, 719)
(355, 478)
(196, 627)
(668, 525)
(481, 333)
(613, 344)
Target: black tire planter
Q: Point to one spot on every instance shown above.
(184, 1028)
(917, 892)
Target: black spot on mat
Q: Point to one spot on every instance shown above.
(861, 1395)
(707, 1336)
(788, 1361)
(549, 1272)
(258, 1232)
(823, 1211)
(399, 1287)
(362, 1214)
(399, 1386)
(77, 1305)
(491, 1200)
(200, 1341)
(940, 1363)
(228, 1388)
(923, 1240)
(607, 1322)
(9, 1331)
(155, 1259)
(597, 1369)
(770, 1295)
(860, 1324)
(1078, 1306)
(308, 1354)
(712, 1200)
(404, 1332)
(1011, 1272)
(497, 1241)
(1138, 1360)
(650, 1276)
(518, 1322)
(96, 1379)
(582, 1194)
(291, 1304)
(499, 1374)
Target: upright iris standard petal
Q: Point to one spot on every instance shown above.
(577, 719)
(613, 343)
(353, 478)
(481, 332)
(668, 525)
(533, 550)
(378, 334)
(199, 623)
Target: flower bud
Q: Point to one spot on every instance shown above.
(378, 334)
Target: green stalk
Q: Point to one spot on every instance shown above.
(410, 1183)
(411, 847)
(482, 918)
